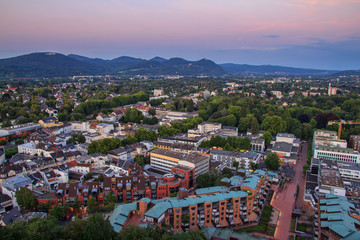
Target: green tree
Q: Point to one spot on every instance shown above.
(97, 228)
(272, 161)
(227, 147)
(58, 212)
(254, 126)
(273, 124)
(267, 137)
(25, 198)
(204, 180)
(305, 168)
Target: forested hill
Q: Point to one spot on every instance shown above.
(248, 70)
(58, 65)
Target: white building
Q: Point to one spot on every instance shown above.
(206, 127)
(336, 154)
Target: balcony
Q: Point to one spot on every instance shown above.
(200, 216)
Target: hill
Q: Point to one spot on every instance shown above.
(44, 65)
(347, 73)
(58, 65)
(249, 70)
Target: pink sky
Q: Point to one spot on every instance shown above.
(144, 28)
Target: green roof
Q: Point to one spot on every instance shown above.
(208, 190)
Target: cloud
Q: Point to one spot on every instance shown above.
(271, 36)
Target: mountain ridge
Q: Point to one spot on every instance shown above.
(49, 64)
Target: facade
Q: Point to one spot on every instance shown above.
(2, 156)
(49, 122)
(355, 142)
(135, 186)
(206, 127)
(158, 92)
(218, 209)
(244, 158)
(164, 160)
(328, 138)
(336, 154)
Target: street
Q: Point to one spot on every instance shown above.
(284, 200)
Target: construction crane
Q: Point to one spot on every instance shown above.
(341, 122)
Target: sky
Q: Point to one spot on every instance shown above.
(322, 34)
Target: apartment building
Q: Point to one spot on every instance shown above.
(229, 157)
(222, 209)
(164, 160)
(336, 218)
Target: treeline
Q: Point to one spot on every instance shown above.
(179, 127)
(95, 106)
(108, 144)
(95, 228)
(228, 144)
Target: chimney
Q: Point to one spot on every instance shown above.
(183, 193)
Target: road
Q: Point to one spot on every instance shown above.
(285, 200)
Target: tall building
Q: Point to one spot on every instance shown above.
(331, 90)
(166, 160)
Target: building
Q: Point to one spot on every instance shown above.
(13, 184)
(158, 92)
(332, 153)
(207, 127)
(50, 122)
(184, 213)
(2, 156)
(332, 90)
(328, 138)
(330, 181)
(355, 142)
(336, 218)
(164, 160)
(229, 157)
(183, 139)
(286, 146)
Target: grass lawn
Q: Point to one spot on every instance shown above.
(265, 217)
(258, 228)
(302, 227)
(292, 226)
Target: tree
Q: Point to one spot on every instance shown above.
(273, 124)
(227, 147)
(267, 137)
(25, 198)
(305, 168)
(272, 161)
(254, 126)
(133, 115)
(97, 228)
(204, 180)
(236, 164)
(254, 166)
(227, 171)
(58, 212)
